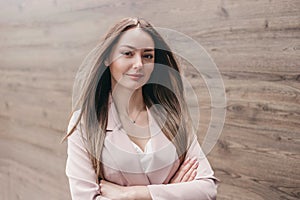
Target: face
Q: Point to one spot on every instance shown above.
(132, 59)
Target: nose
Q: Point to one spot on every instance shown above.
(138, 62)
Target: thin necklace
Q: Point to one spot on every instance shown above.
(133, 121)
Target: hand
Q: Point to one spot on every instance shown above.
(112, 191)
(187, 171)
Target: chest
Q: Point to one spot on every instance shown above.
(121, 159)
(140, 142)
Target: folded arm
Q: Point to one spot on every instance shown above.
(203, 185)
(181, 186)
(193, 180)
(82, 177)
(185, 184)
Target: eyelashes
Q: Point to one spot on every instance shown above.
(130, 54)
(127, 53)
(148, 56)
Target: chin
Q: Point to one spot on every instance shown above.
(131, 84)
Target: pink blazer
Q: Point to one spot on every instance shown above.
(122, 165)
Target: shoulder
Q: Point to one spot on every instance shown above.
(73, 120)
(77, 126)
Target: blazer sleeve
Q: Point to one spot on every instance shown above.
(79, 169)
(204, 187)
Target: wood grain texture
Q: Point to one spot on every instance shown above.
(255, 44)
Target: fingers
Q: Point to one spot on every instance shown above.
(182, 170)
(178, 176)
(187, 169)
(186, 161)
(186, 172)
(191, 173)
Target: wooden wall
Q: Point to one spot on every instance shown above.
(255, 44)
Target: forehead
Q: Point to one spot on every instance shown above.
(136, 38)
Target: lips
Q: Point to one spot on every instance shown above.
(135, 76)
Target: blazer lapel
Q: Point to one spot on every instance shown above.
(164, 153)
(122, 156)
(119, 146)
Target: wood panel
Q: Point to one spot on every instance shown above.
(255, 44)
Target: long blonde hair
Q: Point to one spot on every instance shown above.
(94, 99)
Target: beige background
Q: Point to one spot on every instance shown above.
(255, 44)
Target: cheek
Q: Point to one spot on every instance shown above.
(149, 69)
(117, 70)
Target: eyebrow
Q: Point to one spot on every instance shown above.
(131, 47)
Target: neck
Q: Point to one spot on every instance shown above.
(129, 105)
(128, 101)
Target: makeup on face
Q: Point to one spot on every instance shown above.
(132, 59)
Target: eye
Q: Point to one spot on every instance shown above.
(148, 56)
(127, 53)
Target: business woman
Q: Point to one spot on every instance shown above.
(130, 136)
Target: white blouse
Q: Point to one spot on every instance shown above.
(144, 156)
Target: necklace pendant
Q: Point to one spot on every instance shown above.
(136, 117)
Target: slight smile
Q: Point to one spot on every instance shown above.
(135, 76)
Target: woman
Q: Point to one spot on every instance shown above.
(131, 137)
